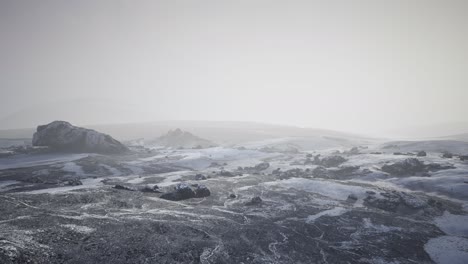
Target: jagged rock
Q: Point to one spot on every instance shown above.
(352, 198)
(183, 191)
(352, 151)
(254, 201)
(421, 153)
(154, 189)
(463, 157)
(232, 196)
(447, 155)
(122, 187)
(320, 172)
(200, 177)
(63, 136)
(410, 166)
(262, 166)
(74, 182)
(202, 191)
(226, 173)
(330, 161)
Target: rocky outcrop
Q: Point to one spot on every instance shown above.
(329, 161)
(413, 166)
(183, 191)
(182, 139)
(63, 136)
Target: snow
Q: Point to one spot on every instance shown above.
(451, 224)
(337, 211)
(87, 184)
(334, 190)
(73, 168)
(25, 161)
(448, 250)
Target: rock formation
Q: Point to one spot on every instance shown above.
(62, 136)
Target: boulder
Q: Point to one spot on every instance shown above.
(332, 161)
(413, 166)
(421, 153)
(62, 136)
(183, 191)
(154, 189)
(410, 166)
(254, 201)
(202, 191)
(122, 187)
(447, 155)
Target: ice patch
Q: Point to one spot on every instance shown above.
(448, 250)
(330, 189)
(331, 212)
(379, 228)
(72, 167)
(456, 225)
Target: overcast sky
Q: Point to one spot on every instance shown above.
(360, 66)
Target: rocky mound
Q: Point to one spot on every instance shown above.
(412, 166)
(63, 136)
(182, 139)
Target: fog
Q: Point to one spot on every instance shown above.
(370, 67)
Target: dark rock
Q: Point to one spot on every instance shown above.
(62, 136)
(74, 182)
(202, 191)
(232, 196)
(332, 161)
(262, 166)
(421, 153)
(254, 201)
(447, 155)
(181, 192)
(463, 157)
(320, 172)
(376, 153)
(122, 187)
(154, 189)
(352, 151)
(410, 166)
(226, 173)
(199, 177)
(352, 198)
(413, 166)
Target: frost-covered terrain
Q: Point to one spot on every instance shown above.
(282, 200)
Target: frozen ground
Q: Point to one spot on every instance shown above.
(63, 208)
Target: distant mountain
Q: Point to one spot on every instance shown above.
(181, 139)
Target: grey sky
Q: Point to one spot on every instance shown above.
(361, 66)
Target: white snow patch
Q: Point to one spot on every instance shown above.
(456, 225)
(448, 250)
(328, 188)
(331, 212)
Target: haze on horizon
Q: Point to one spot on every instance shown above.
(365, 66)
